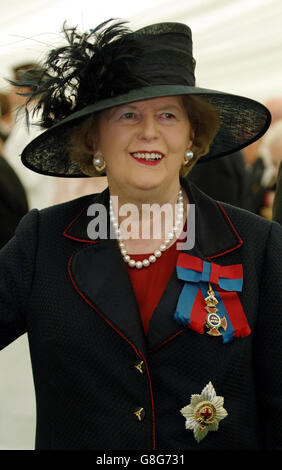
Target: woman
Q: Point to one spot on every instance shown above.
(117, 328)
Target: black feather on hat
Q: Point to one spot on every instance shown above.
(111, 65)
(93, 66)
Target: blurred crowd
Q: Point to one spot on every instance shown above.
(20, 188)
(247, 179)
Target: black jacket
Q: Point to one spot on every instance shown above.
(277, 206)
(94, 367)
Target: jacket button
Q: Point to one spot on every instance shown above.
(139, 366)
(139, 414)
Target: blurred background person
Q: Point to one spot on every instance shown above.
(247, 179)
(13, 201)
(39, 189)
(225, 180)
(259, 165)
(277, 205)
(255, 168)
(5, 116)
(271, 151)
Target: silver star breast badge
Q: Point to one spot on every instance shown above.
(204, 412)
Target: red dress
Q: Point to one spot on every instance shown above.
(149, 283)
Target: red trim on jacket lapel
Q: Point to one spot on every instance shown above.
(139, 354)
(99, 275)
(154, 348)
(77, 228)
(240, 241)
(98, 263)
(215, 233)
(66, 234)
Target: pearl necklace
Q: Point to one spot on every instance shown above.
(164, 245)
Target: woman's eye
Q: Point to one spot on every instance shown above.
(168, 115)
(128, 116)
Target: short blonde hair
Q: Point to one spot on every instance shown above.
(203, 117)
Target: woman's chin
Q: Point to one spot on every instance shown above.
(148, 184)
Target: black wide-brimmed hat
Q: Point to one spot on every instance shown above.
(110, 66)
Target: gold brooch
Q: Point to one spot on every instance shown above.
(213, 320)
(204, 412)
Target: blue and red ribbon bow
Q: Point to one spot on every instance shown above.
(226, 281)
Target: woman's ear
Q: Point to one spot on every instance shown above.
(95, 148)
(191, 138)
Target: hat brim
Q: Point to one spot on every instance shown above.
(242, 121)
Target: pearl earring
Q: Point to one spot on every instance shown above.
(98, 163)
(189, 155)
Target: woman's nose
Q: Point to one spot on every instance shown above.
(149, 129)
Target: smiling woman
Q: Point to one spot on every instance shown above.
(144, 342)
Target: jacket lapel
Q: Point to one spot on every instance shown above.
(214, 236)
(163, 327)
(100, 276)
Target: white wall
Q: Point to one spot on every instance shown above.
(237, 43)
